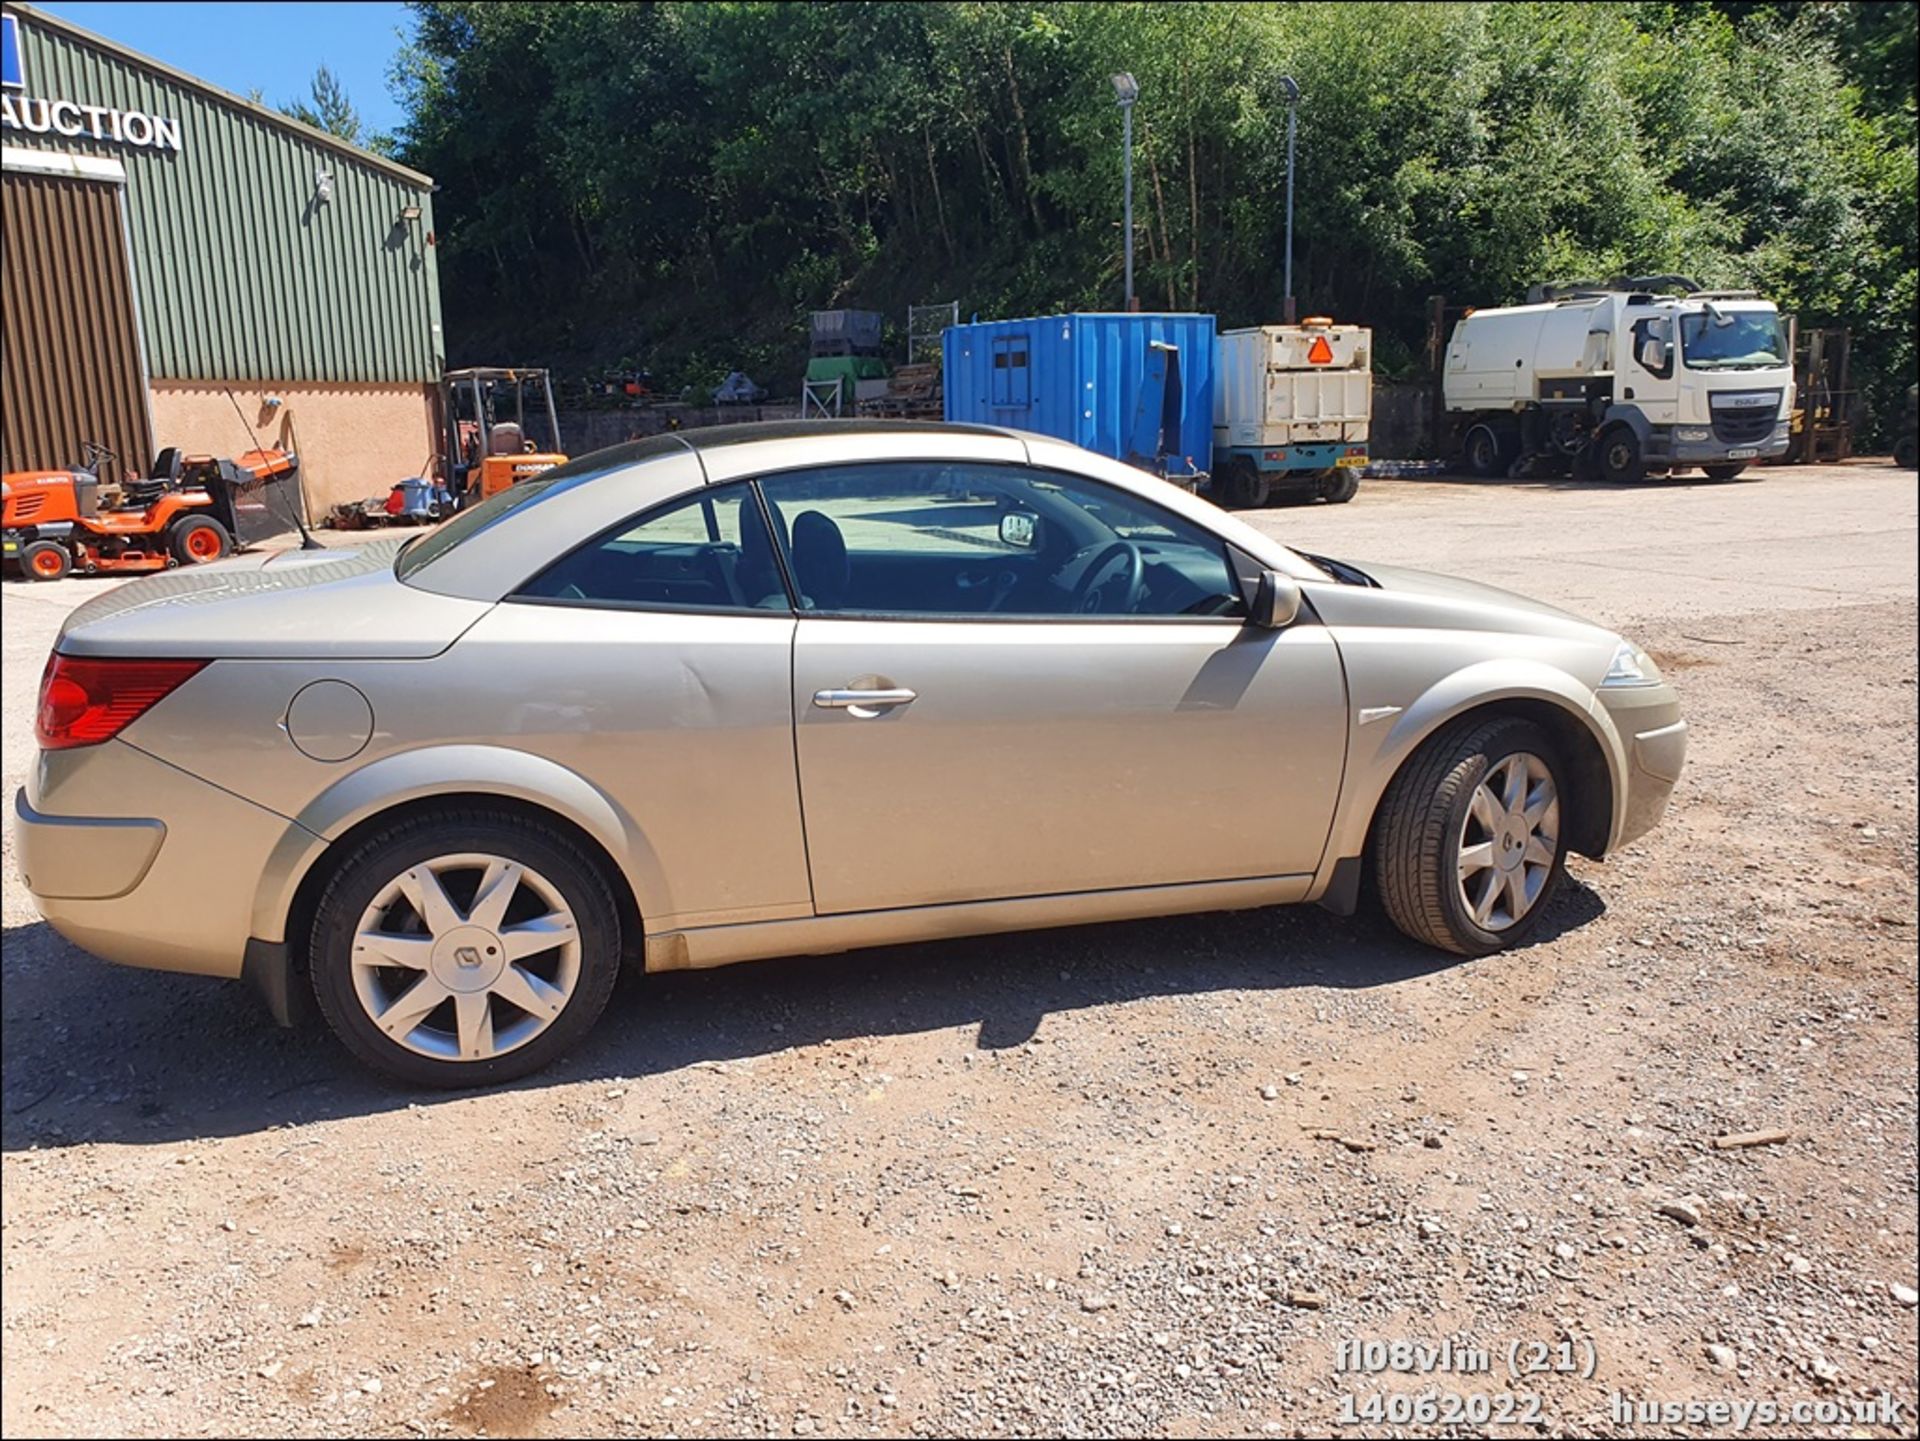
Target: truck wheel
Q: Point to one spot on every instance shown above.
(1467, 846)
(45, 560)
(1724, 472)
(198, 540)
(1242, 485)
(1485, 455)
(1620, 460)
(1340, 486)
(1906, 452)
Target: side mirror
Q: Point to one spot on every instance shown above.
(1020, 529)
(1276, 601)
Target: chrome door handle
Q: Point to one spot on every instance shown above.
(862, 703)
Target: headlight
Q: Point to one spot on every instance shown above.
(1693, 433)
(1631, 666)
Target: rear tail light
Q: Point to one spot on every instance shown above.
(84, 702)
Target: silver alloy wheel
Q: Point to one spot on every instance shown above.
(1509, 841)
(466, 957)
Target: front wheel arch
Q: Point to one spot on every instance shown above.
(313, 884)
(1589, 778)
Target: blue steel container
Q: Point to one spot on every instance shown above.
(1094, 378)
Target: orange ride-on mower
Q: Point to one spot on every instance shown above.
(193, 508)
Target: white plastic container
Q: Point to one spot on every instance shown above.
(1280, 385)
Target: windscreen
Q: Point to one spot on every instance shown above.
(1733, 340)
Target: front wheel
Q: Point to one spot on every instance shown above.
(1724, 472)
(1468, 846)
(464, 949)
(45, 560)
(1620, 460)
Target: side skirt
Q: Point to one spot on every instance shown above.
(698, 949)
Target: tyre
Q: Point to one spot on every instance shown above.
(1467, 847)
(1906, 452)
(1340, 486)
(1619, 459)
(45, 560)
(464, 949)
(1485, 452)
(198, 539)
(1724, 472)
(1242, 485)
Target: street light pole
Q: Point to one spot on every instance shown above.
(1126, 90)
(1288, 312)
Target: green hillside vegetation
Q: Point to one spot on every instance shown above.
(677, 184)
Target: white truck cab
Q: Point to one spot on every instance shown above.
(1622, 380)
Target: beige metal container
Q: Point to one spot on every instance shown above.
(1277, 385)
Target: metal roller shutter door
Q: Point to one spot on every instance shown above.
(72, 368)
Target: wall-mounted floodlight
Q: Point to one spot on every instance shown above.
(322, 186)
(410, 214)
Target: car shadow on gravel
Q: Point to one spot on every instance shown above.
(91, 1052)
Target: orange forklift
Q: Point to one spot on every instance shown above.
(193, 508)
(486, 413)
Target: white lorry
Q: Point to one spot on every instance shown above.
(1291, 408)
(1621, 379)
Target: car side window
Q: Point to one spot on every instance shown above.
(968, 539)
(707, 551)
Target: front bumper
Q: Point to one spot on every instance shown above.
(170, 887)
(1666, 448)
(1654, 734)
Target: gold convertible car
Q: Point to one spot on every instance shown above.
(798, 688)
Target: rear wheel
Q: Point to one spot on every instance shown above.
(1468, 844)
(45, 560)
(1242, 485)
(1724, 472)
(1340, 486)
(199, 539)
(1484, 451)
(465, 949)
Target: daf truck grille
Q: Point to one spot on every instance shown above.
(1746, 418)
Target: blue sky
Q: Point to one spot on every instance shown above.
(272, 46)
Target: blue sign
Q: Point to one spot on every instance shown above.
(12, 73)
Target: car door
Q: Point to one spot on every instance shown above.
(1652, 387)
(989, 700)
(656, 660)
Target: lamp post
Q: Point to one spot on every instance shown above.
(1126, 90)
(1292, 92)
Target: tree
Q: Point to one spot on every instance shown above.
(329, 109)
(689, 178)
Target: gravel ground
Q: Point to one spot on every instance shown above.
(1111, 1180)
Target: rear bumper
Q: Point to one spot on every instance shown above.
(169, 888)
(1307, 459)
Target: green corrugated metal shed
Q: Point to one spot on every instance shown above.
(242, 273)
